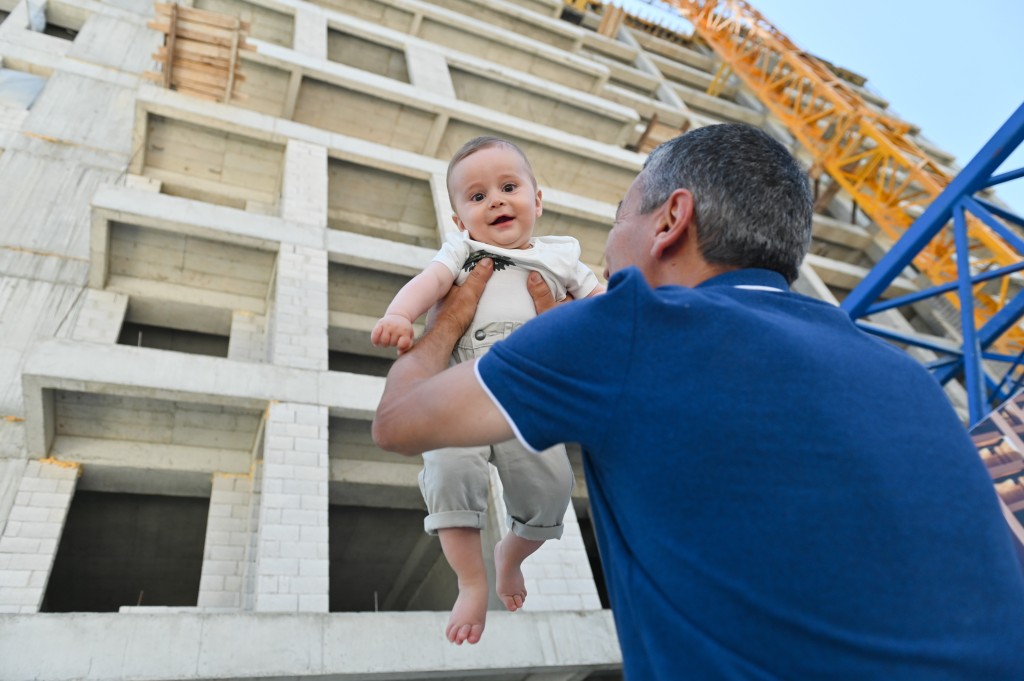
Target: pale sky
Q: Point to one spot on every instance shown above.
(954, 69)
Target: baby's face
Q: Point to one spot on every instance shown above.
(495, 198)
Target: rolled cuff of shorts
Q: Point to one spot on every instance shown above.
(536, 533)
(446, 519)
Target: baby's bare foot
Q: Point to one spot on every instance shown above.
(466, 623)
(509, 581)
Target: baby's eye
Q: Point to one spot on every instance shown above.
(509, 187)
(479, 196)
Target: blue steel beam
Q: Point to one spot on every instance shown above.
(938, 290)
(953, 203)
(973, 375)
(972, 178)
(990, 332)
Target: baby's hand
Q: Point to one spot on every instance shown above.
(392, 330)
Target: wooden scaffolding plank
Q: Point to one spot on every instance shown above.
(200, 51)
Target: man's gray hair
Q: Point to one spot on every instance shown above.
(752, 201)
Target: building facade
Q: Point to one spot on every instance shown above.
(188, 487)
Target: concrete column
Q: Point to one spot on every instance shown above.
(428, 69)
(558, 576)
(101, 316)
(310, 35)
(248, 339)
(297, 327)
(29, 541)
(292, 552)
(225, 555)
(255, 504)
(304, 187)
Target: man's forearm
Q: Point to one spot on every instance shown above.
(396, 418)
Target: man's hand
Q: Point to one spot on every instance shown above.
(425, 407)
(456, 310)
(543, 298)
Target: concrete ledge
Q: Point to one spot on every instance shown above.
(143, 372)
(108, 647)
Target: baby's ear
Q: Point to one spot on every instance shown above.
(458, 222)
(540, 205)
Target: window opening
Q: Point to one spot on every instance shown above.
(122, 549)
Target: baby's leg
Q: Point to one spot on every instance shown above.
(454, 483)
(537, 490)
(461, 546)
(509, 555)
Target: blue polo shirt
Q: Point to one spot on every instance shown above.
(776, 494)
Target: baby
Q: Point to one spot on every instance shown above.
(496, 202)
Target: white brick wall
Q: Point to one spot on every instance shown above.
(247, 342)
(292, 551)
(558, 575)
(101, 316)
(29, 541)
(297, 330)
(304, 188)
(226, 553)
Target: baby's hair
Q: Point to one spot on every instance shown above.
(476, 144)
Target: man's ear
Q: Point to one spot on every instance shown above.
(540, 206)
(458, 222)
(674, 222)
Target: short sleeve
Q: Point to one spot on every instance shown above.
(583, 283)
(559, 377)
(453, 253)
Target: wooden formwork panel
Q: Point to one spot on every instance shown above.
(200, 54)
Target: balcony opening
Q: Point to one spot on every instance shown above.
(358, 364)
(381, 560)
(122, 549)
(60, 32)
(178, 340)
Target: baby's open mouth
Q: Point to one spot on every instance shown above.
(502, 220)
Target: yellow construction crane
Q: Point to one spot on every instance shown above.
(870, 155)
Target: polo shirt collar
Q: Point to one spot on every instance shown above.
(749, 277)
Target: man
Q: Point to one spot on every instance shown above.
(776, 494)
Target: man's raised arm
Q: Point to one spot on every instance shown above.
(426, 405)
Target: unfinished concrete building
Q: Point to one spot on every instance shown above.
(188, 487)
